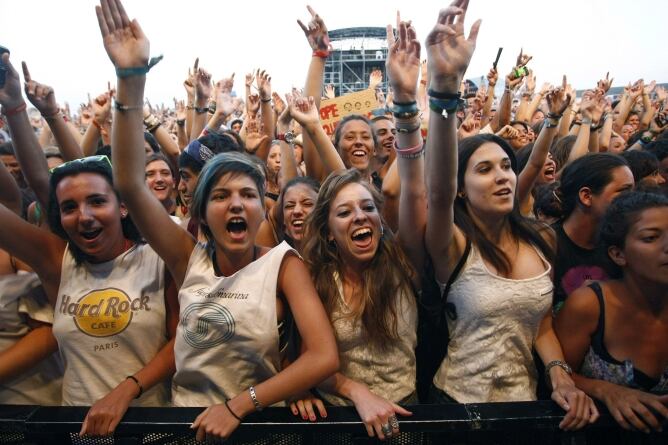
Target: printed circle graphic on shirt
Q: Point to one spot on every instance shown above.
(206, 325)
(101, 313)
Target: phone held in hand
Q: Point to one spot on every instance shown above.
(3, 68)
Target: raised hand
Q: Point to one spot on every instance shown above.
(329, 91)
(224, 103)
(10, 94)
(604, 85)
(253, 104)
(316, 32)
(102, 108)
(253, 136)
(124, 40)
(303, 110)
(250, 77)
(264, 84)
(522, 59)
(279, 103)
(225, 85)
(375, 79)
(202, 84)
(530, 82)
(649, 88)
(470, 126)
(661, 93)
(449, 51)
(508, 132)
(41, 96)
(403, 61)
(636, 89)
(557, 101)
(189, 83)
(284, 117)
(492, 77)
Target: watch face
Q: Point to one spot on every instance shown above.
(289, 137)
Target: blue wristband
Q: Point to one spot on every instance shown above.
(138, 71)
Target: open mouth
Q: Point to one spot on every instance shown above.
(90, 235)
(549, 172)
(359, 153)
(159, 187)
(503, 192)
(362, 237)
(237, 226)
(297, 224)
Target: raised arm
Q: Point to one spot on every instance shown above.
(318, 39)
(267, 113)
(557, 101)
(28, 151)
(44, 99)
(203, 91)
(128, 49)
(448, 54)
(305, 112)
(403, 67)
(10, 194)
(648, 110)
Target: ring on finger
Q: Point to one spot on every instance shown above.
(386, 429)
(394, 423)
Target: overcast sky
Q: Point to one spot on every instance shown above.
(61, 42)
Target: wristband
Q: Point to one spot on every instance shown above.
(554, 115)
(551, 122)
(121, 107)
(138, 71)
(201, 110)
(230, 410)
(410, 129)
(405, 110)
(264, 101)
(211, 108)
(141, 388)
(445, 96)
(586, 120)
(51, 117)
(180, 122)
(13, 111)
(415, 155)
(409, 150)
(323, 54)
(444, 107)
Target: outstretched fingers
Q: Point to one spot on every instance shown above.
(108, 17)
(473, 34)
(26, 73)
(101, 21)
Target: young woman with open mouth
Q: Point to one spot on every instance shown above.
(114, 315)
(236, 297)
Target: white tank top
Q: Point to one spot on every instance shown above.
(387, 372)
(227, 338)
(22, 297)
(110, 323)
(489, 355)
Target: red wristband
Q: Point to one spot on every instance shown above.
(408, 150)
(321, 53)
(21, 108)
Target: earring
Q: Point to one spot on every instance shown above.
(382, 231)
(124, 213)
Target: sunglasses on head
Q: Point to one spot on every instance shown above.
(88, 160)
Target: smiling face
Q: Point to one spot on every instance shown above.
(354, 224)
(159, 179)
(234, 212)
(298, 203)
(90, 215)
(645, 249)
(386, 135)
(356, 144)
(489, 181)
(522, 139)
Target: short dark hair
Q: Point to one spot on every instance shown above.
(161, 157)
(593, 170)
(642, 163)
(152, 141)
(7, 148)
(623, 212)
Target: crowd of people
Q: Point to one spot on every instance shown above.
(457, 247)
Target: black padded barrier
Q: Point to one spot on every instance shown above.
(485, 423)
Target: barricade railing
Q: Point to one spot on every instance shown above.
(485, 423)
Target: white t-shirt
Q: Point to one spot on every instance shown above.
(22, 297)
(227, 338)
(110, 323)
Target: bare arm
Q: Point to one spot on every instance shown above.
(128, 47)
(10, 194)
(448, 58)
(268, 124)
(202, 94)
(318, 360)
(28, 352)
(316, 34)
(403, 66)
(44, 99)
